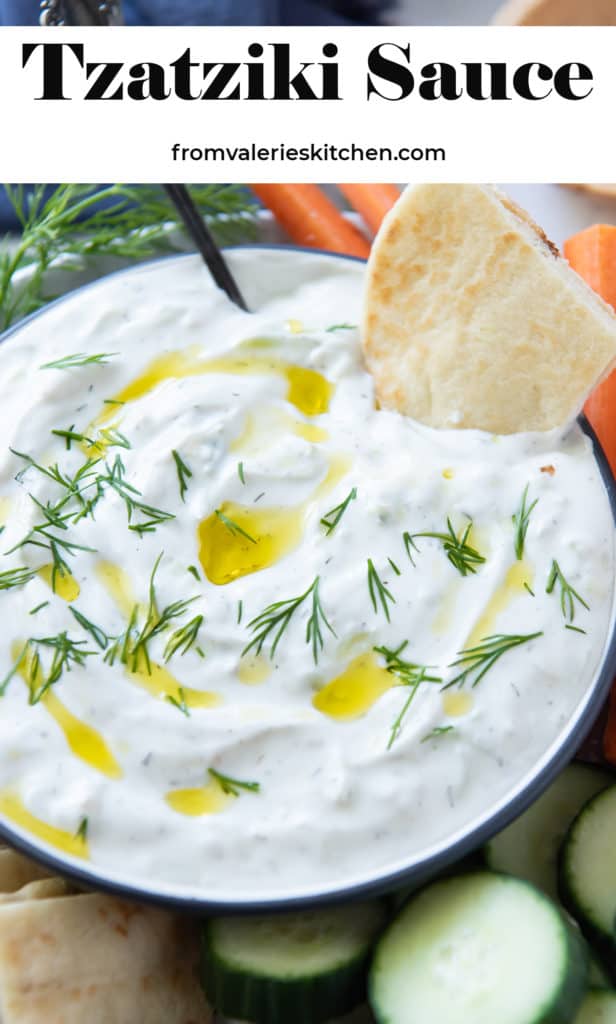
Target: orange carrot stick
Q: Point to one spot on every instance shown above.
(372, 202)
(593, 254)
(311, 219)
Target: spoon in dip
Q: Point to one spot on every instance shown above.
(202, 237)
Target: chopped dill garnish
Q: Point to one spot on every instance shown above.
(232, 787)
(82, 831)
(331, 519)
(411, 675)
(112, 438)
(70, 435)
(240, 609)
(15, 668)
(340, 327)
(232, 526)
(112, 401)
(520, 521)
(16, 578)
(115, 478)
(240, 472)
(575, 629)
(460, 553)
(135, 651)
(183, 638)
(568, 596)
(529, 588)
(480, 658)
(378, 590)
(394, 567)
(79, 359)
(192, 569)
(66, 653)
(277, 616)
(184, 473)
(439, 730)
(39, 607)
(98, 635)
(179, 702)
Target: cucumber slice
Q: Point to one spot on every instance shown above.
(302, 968)
(478, 948)
(588, 871)
(529, 847)
(598, 1008)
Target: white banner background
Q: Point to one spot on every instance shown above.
(515, 140)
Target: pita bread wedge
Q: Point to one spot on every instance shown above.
(90, 958)
(17, 871)
(473, 320)
(556, 12)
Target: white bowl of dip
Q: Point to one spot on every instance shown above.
(183, 769)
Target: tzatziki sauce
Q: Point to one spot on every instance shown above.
(261, 638)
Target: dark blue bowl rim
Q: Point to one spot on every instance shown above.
(415, 874)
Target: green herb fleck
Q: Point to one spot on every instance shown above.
(520, 521)
(331, 519)
(460, 553)
(240, 609)
(574, 629)
(192, 569)
(378, 591)
(79, 359)
(240, 472)
(440, 730)
(341, 327)
(529, 588)
(39, 607)
(183, 638)
(394, 566)
(179, 702)
(16, 578)
(410, 675)
(568, 596)
(82, 831)
(232, 526)
(232, 787)
(184, 473)
(276, 618)
(480, 658)
(98, 635)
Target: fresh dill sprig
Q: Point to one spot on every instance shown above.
(394, 567)
(520, 521)
(16, 578)
(38, 608)
(80, 222)
(184, 473)
(574, 629)
(276, 617)
(340, 327)
(70, 434)
(568, 596)
(136, 653)
(111, 438)
(410, 675)
(439, 730)
(480, 658)
(66, 653)
(79, 359)
(192, 569)
(115, 478)
(98, 635)
(232, 787)
(179, 702)
(232, 526)
(14, 668)
(82, 831)
(379, 592)
(331, 519)
(240, 610)
(460, 553)
(183, 638)
(240, 472)
(529, 588)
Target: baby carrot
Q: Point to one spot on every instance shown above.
(372, 202)
(311, 219)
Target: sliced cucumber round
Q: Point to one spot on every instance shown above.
(301, 968)
(529, 847)
(599, 1007)
(588, 871)
(478, 948)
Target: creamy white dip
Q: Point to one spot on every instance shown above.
(313, 784)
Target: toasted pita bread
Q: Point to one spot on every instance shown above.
(17, 871)
(472, 319)
(89, 958)
(608, 191)
(556, 12)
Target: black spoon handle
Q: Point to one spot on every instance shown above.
(206, 245)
